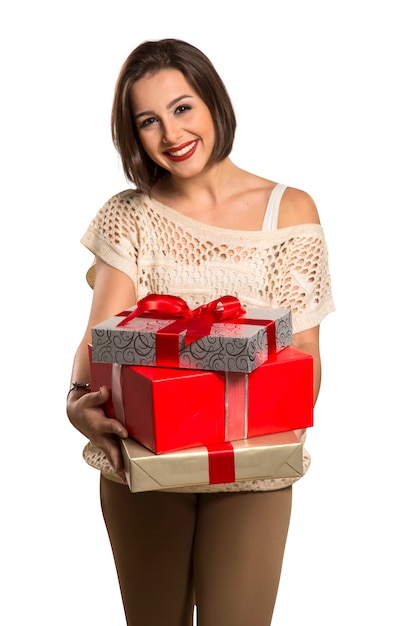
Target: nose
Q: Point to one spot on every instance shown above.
(171, 132)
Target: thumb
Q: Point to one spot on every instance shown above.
(101, 396)
(104, 394)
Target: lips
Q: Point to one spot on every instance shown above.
(180, 153)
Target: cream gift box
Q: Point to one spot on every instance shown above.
(278, 455)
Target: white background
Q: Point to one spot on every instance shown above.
(325, 98)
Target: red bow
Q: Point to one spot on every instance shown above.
(196, 322)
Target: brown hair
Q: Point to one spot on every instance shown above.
(147, 59)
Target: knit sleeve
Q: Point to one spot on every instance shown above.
(305, 279)
(113, 236)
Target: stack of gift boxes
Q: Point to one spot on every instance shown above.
(209, 395)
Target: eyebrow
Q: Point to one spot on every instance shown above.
(169, 106)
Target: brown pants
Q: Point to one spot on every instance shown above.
(221, 551)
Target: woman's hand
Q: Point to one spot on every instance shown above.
(85, 412)
(113, 291)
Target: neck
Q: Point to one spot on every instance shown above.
(213, 183)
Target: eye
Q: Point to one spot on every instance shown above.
(147, 122)
(182, 108)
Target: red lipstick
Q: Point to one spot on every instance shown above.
(183, 152)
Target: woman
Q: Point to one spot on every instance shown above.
(197, 226)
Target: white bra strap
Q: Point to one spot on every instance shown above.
(271, 214)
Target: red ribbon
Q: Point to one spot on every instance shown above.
(221, 463)
(167, 307)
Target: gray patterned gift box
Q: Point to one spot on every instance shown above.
(239, 344)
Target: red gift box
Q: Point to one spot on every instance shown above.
(172, 409)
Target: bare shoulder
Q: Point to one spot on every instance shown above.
(297, 207)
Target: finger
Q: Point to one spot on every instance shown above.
(118, 468)
(114, 427)
(109, 425)
(116, 461)
(97, 397)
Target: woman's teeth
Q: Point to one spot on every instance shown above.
(183, 150)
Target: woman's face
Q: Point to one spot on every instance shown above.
(174, 124)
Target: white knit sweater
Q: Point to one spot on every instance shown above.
(166, 252)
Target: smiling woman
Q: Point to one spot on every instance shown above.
(196, 226)
(198, 78)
